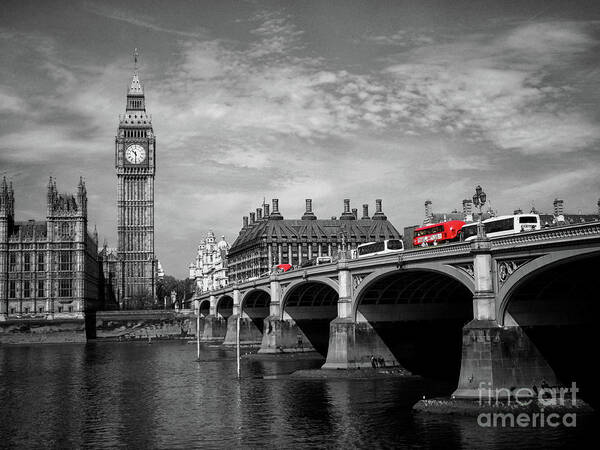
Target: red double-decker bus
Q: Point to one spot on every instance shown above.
(437, 233)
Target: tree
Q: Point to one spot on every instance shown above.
(184, 289)
(141, 301)
(164, 288)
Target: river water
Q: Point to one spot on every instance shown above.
(135, 395)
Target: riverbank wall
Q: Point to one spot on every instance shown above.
(100, 325)
(42, 331)
(152, 324)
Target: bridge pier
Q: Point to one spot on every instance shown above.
(215, 328)
(351, 345)
(283, 336)
(249, 333)
(498, 361)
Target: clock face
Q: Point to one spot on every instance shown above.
(135, 154)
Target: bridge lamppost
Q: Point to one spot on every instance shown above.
(342, 249)
(479, 200)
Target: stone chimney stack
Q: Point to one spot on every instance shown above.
(365, 211)
(347, 215)
(266, 207)
(355, 213)
(276, 215)
(558, 207)
(308, 214)
(379, 215)
(252, 218)
(258, 214)
(244, 222)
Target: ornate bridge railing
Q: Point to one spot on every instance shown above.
(551, 236)
(568, 233)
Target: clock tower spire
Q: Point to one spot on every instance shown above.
(135, 150)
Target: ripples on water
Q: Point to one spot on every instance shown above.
(135, 395)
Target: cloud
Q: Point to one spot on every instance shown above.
(265, 115)
(401, 38)
(136, 18)
(553, 183)
(278, 35)
(499, 89)
(11, 103)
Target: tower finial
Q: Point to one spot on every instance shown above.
(135, 59)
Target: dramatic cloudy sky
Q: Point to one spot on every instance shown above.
(399, 100)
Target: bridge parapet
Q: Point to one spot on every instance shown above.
(560, 235)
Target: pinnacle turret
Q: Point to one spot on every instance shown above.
(135, 87)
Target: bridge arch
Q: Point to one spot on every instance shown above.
(443, 269)
(204, 307)
(553, 301)
(419, 314)
(291, 288)
(534, 268)
(310, 305)
(255, 305)
(252, 292)
(224, 307)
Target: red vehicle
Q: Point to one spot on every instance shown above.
(284, 267)
(437, 233)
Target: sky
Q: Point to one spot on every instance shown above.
(405, 101)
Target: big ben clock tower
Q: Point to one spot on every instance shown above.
(135, 147)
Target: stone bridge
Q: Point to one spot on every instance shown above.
(497, 313)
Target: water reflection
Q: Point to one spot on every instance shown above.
(137, 395)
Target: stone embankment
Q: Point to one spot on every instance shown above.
(160, 324)
(42, 331)
(101, 325)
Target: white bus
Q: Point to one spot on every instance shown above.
(323, 260)
(502, 226)
(380, 248)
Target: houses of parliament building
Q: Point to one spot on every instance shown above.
(48, 268)
(52, 268)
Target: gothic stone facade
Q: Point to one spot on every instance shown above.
(48, 268)
(135, 147)
(269, 239)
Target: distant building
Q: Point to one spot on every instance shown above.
(109, 276)
(160, 274)
(559, 207)
(269, 239)
(428, 213)
(467, 210)
(48, 268)
(560, 218)
(209, 270)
